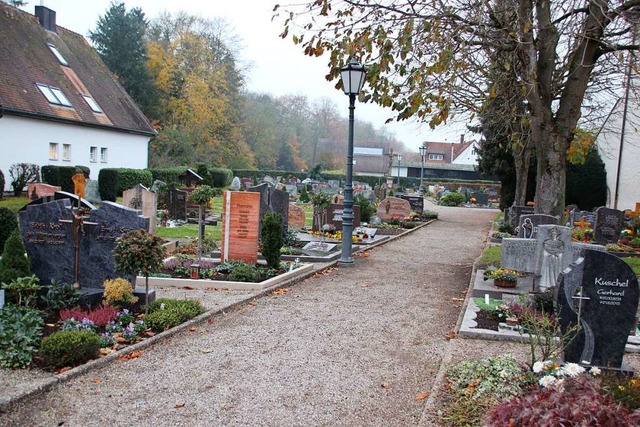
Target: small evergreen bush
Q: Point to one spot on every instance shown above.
(129, 178)
(20, 333)
(244, 273)
(166, 313)
(59, 176)
(367, 209)
(2, 184)
(69, 348)
(272, 238)
(14, 263)
(8, 223)
(304, 195)
(452, 199)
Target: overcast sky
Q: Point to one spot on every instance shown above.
(278, 66)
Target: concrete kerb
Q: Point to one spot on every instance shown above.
(47, 384)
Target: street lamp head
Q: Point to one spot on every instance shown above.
(352, 76)
(423, 150)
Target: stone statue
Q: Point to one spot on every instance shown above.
(551, 260)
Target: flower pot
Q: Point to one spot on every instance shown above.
(504, 283)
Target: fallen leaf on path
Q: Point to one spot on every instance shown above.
(253, 303)
(179, 405)
(149, 333)
(193, 329)
(384, 385)
(165, 341)
(422, 396)
(451, 335)
(96, 380)
(280, 291)
(365, 286)
(61, 370)
(206, 350)
(457, 299)
(211, 320)
(189, 288)
(129, 356)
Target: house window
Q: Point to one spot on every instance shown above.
(93, 154)
(53, 151)
(92, 103)
(436, 156)
(103, 154)
(66, 152)
(54, 95)
(57, 54)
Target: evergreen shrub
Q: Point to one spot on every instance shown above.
(14, 263)
(8, 223)
(69, 348)
(272, 238)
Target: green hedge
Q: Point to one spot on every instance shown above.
(168, 175)
(129, 178)
(108, 184)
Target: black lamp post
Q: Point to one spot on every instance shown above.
(423, 151)
(352, 76)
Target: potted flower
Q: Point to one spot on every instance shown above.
(503, 277)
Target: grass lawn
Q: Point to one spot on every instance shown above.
(14, 203)
(634, 263)
(490, 256)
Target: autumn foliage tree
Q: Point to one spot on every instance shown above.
(428, 60)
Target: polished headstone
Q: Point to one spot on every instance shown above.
(416, 202)
(608, 225)
(600, 295)
(177, 203)
(528, 226)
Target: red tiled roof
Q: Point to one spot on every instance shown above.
(25, 60)
(449, 150)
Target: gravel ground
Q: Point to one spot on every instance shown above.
(351, 347)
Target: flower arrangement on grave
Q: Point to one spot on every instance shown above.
(502, 274)
(582, 234)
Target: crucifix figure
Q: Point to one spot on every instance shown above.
(583, 223)
(587, 352)
(77, 229)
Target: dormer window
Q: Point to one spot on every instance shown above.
(54, 95)
(57, 54)
(92, 103)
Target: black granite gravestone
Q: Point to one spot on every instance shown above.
(598, 296)
(514, 213)
(577, 216)
(416, 202)
(273, 200)
(47, 232)
(177, 203)
(608, 225)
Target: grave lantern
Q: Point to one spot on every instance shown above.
(352, 76)
(195, 271)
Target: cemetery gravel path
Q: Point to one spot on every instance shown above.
(357, 346)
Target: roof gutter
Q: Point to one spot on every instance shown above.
(76, 122)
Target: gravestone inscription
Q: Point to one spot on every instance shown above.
(597, 300)
(514, 212)
(240, 226)
(416, 202)
(141, 198)
(296, 216)
(393, 208)
(608, 225)
(177, 203)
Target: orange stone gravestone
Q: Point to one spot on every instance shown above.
(393, 208)
(240, 226)
(296, 216)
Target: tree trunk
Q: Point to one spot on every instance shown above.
(551, 172)
(522, 161)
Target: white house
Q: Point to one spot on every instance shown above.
(618, 143)
(59, 104)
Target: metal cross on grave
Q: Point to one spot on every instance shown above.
(578, 296)
(77, 228)
(583, 223)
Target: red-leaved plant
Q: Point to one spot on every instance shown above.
(578, 402)
(101, 316)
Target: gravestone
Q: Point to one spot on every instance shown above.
(141, 198)
(578, 216)
(273, 200)
(235, 184)
(177, 203)
(48, 239)
(335, 212)
(519, 254)
(269, 180)
(291, 189)
(246, 183)
(240, 226)
(393, 208)
(319, 246)
(528, 226)
(60, 195)
(513, 214)
(416, 202)
(608, 225)
(296, 217)
(92, 191)
(190, 178)
(600, 295)
(482, 198)
(35, 190)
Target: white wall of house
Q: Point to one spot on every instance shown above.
(468, 157)
(402, 169)
(24, 140)
(609, 141)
